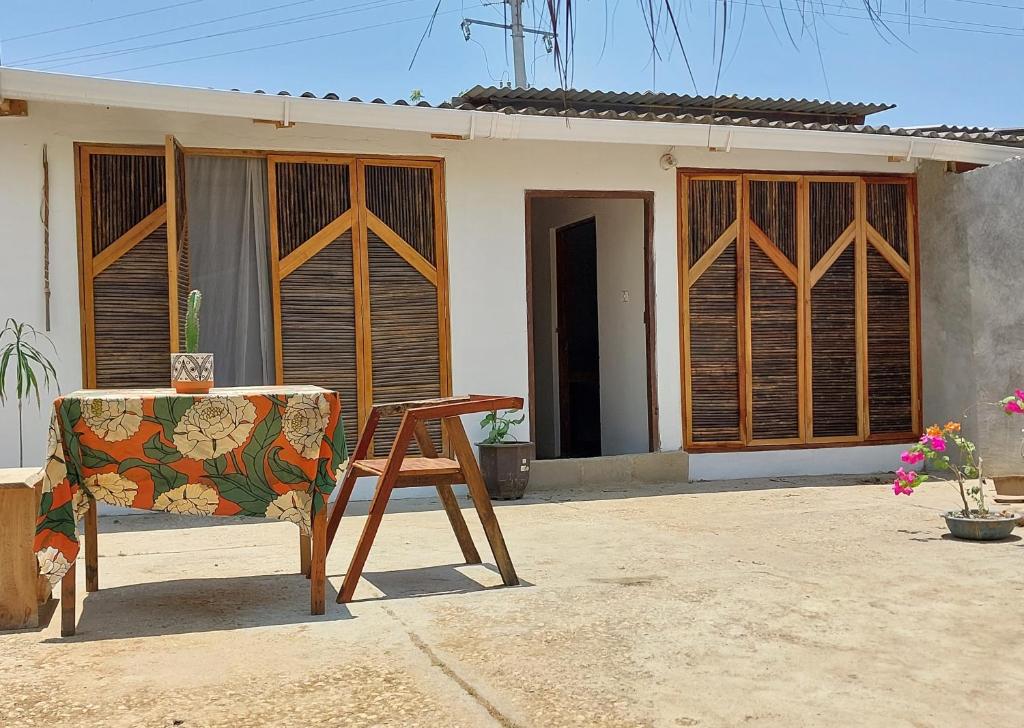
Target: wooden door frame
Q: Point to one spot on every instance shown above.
(653, 435)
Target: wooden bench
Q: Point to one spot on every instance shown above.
(22, 589)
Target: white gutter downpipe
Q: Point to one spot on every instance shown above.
(61, 88)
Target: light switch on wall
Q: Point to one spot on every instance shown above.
(625, 296)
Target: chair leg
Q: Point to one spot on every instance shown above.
(318, 564)
(378, 505)
(449, 501)
(304, 554)
(348, 481)
(92, 571)
(67, 603)
(471, 471)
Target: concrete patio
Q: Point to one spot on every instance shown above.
(776, 602)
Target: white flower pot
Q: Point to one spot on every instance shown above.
(191, 373)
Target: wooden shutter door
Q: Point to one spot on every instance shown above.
(833, 211)
(124, 252)
(711, 266)
(774, 343)
(178, 278)
(402, 218)
(890, 269)
(314, 276)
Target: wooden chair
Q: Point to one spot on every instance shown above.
(399, 471)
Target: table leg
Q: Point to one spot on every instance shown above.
(67, 603)
(92, 572)
(478, 490)
(318, 564)
(304, 554)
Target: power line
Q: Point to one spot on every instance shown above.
(104, 20)
(357, 8)
(277, 45)
(221, 19)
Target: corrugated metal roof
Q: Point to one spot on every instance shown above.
(955, 133)
(723, 104)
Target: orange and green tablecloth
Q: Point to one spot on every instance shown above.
(271, 452)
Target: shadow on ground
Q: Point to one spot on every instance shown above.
(187, 606)
(431, 581)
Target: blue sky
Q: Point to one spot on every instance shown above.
(958, 61)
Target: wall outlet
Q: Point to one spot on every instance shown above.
(625, 296)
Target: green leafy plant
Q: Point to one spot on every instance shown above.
(195, 300)
(499, 425)
(18, 346)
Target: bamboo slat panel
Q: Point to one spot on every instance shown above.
(887, 213)
(775, 410)
(773, 208)
(403, 197)
(889, 372)
(309, 196)
(404, 331)
(130, 307)
(834, 350)
(831, 212)
(125, 189)
(184, 264)
(713, 355)
(712, 207)
(318, 325)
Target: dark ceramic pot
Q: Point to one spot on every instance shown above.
(980, 529)
(506, 468)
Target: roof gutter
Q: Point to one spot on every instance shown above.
(62, 88)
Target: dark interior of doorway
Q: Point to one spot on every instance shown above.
(579, 379)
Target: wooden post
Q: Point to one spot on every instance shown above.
(92, 573)
(67, 603)
(318, 564)
(305, 553)
(20, 591)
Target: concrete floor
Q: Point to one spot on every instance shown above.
(776, 603)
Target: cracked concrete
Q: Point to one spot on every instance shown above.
(771, 602)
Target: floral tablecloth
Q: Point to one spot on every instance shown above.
(272, 452)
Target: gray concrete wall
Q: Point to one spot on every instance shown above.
(972, 301)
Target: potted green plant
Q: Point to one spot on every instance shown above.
(974, 521)
(18, 347)
(505, 463)
(191, 370)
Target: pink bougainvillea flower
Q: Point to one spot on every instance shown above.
(912, 457)
(1019, 394)
(1013, 407)
(904, 482)
(935, 442)
(899, 489)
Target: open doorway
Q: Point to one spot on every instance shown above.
(591, 328)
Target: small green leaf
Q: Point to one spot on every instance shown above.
(216, 466)
(92, 458)
(284, 471)
(157, 449)
(164, 477)
(255, 453)
(170, 410)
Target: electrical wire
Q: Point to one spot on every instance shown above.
(322, 15)
(280, 44)
(201, 23)
(103, 20)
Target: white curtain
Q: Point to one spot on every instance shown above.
(228, 240)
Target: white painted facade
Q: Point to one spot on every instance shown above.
(485, 180)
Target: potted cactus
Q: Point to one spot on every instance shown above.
(504, 463)
(192, 371)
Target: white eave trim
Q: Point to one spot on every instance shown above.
(62, 88)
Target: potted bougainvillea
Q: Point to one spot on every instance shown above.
(1010, 486)
(946, 449)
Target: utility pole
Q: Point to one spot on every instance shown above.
(518, 33)
(518, 53)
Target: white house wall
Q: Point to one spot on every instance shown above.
(485, 184)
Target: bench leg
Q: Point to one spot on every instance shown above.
(318, 564)
(348, 481)
(478, 490)
(67, 603)
(448, 500)
(305, 551)
(92, 570)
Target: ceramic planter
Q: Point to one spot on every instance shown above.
(191, 373)
(506, 468)
(980, 529)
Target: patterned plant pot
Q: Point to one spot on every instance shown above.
(991, 528)
(191, 373)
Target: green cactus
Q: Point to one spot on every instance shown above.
(195, 299)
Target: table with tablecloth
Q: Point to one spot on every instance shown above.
(271, 452)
